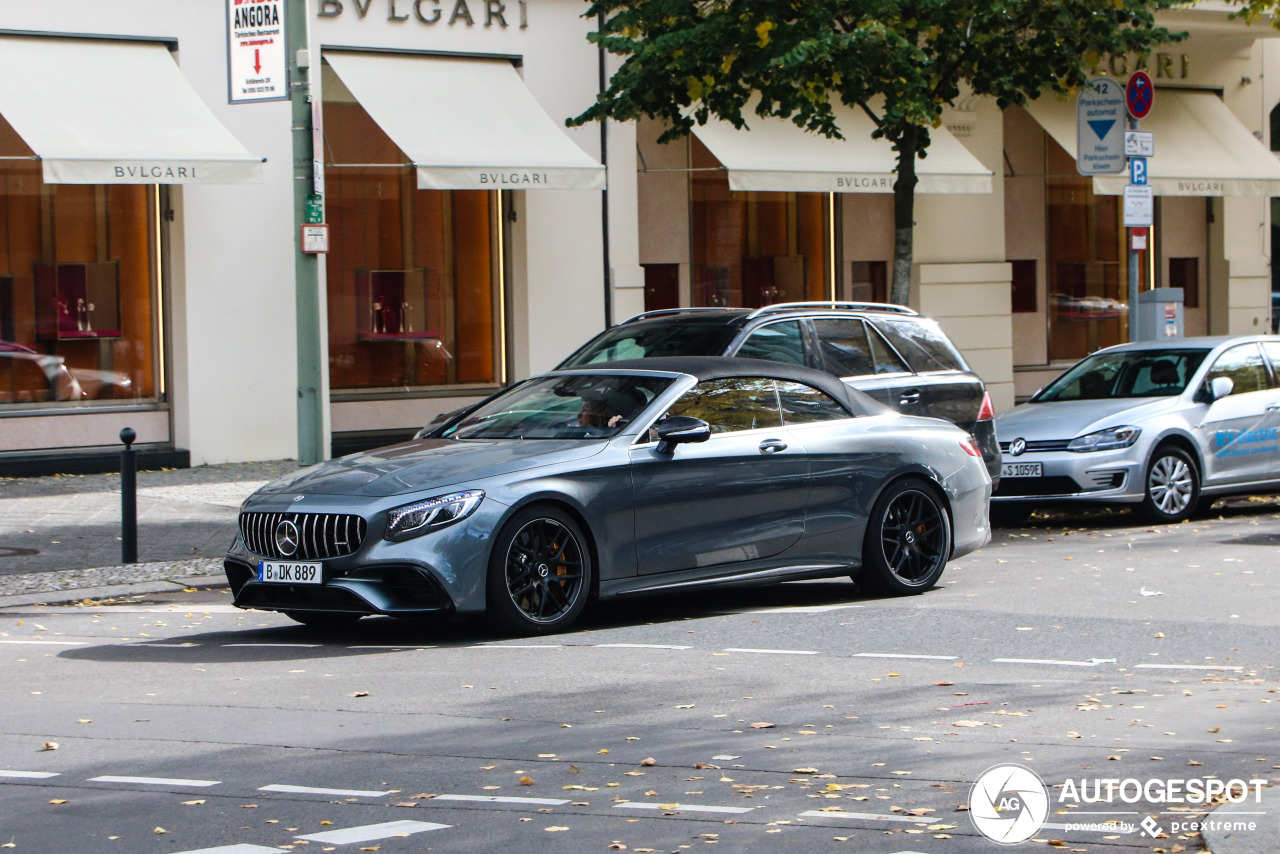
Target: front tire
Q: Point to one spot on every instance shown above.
(908, 540)
(1172, 486)
(540, 573)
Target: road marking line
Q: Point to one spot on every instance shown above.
(904, 656)
(29, 775)
(516, 646)
(310, 790)
(370, 832)
(1043, 661)
(47, 643)
(293, 645)
(805, 609)
(496, 799)
(153, 781)
(774, 651)
(644, 805)
(870, 816)
(242, 848)
(1185, 667)
(176, 645)
(391, 647)
(639, 646)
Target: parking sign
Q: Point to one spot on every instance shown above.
(1138, 171)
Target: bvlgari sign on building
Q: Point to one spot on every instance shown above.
(257, 66)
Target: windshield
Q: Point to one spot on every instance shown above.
(584, 406)
(646, 340)
(1129, 373)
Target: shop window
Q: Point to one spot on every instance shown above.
(869, 281)
(1024, 286)
(79, 270)
(1185, 273)
(1087, 265)
(413, 275)
(753, 249)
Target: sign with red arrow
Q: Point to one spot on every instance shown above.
(257, 62)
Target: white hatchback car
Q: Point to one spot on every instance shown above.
(1167, 425)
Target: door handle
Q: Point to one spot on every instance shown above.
(1273, 407)
(909, 397)
(772, 446)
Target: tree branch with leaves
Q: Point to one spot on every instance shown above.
(689, 61)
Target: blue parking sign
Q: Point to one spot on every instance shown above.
(1138, 171)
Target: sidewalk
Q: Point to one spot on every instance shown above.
(60, 536)
(1261, 840)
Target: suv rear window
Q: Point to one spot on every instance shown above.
(922, 344)
(647, 340)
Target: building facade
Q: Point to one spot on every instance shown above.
(149, 246)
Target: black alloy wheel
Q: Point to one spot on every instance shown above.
(539, 572)
(1172, 486)
(908, 540)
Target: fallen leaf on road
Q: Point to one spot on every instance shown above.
(763, 725)
(649, 761)
(555, 828)
(359, 694)
(50, 745)
(192, 803)
(526, 781)
(159, 830)
(805, 771)
(969, 723)
(58, 801)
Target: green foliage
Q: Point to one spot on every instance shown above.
(689, 60)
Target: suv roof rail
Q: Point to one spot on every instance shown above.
(661, 311)
(856, 306)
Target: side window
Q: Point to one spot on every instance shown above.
(1272, 349)
(1244, 366)
(922, 343)
(802, 404)
(843, 344)
(777, 342)
(887, 361)
(733, 404)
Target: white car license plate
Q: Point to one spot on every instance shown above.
(1022, 470)
(290, 573)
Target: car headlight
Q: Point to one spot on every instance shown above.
(418, 518)
(1105, 440)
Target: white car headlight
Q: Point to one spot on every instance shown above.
(1105, 440)
(418, 518)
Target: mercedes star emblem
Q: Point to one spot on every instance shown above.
(287, 538)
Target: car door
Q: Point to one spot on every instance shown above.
(739, 496)
(1238, 432)
(862, 358)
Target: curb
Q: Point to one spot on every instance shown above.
(75, 585)
(1260, 840)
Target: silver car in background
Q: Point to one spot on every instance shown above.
(1165, 425)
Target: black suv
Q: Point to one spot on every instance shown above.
(887, 351)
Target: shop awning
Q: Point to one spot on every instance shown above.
(775, 155)
(466, 124)
(1201, 148)
(96, 111)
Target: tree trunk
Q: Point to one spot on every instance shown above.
(904, 206)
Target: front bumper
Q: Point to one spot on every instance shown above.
(441, 572)
(1102, 476)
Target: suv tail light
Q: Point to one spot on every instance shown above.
(971, 448)
(986, 412)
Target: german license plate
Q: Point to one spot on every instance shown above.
(281, 572)
(1022, 470)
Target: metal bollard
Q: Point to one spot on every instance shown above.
(128, 498)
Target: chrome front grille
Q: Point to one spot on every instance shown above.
(1045, 445)
(320, 535)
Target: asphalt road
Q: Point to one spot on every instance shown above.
(804, 717)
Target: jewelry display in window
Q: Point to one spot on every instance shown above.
(390, 304)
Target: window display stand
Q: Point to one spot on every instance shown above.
(391, 305)
(78, 301)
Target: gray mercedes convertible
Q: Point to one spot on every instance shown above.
(601, 482)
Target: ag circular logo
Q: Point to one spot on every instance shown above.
(1008, 804)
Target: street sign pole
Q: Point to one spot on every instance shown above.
(1135, 257)
(307, 302)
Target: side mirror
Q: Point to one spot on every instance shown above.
(679, 429)
(1220, 387)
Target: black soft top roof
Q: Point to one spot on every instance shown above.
(720, 367)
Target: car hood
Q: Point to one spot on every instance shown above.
(428, 464)
(1066, 419)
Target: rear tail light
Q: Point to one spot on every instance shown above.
(986, 412)
(971, 448)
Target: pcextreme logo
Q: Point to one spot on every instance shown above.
(1008, 804)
